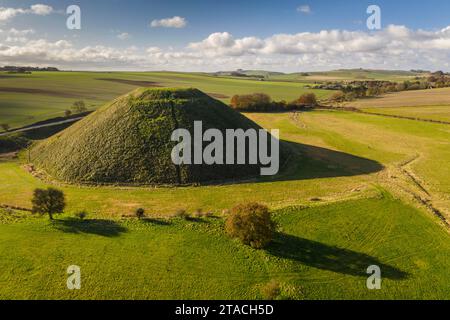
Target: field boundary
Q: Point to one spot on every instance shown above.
(357, 110)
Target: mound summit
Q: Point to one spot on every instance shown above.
(129, 141)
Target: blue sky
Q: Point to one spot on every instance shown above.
(125, 26)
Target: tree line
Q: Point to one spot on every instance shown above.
(361, 89)
(261, 102)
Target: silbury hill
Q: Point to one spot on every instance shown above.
(128, 141)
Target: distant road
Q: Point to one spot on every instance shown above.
(51, 124)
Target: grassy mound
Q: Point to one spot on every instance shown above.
(129, 141)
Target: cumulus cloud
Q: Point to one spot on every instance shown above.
(7, 14)
(304, 9)
(175, 22)
(395, 47)
(41, 9)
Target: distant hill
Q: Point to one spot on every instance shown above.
(333, 75)
(129, 141)
(15, 69)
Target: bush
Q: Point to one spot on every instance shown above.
(140, 213)
(81, 215)
(252, 224)
(79, 106)
(271, 290)
(338, 97)
(50, 201)
(251, 102)
(306, 100)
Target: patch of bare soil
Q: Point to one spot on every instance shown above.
(137, 83)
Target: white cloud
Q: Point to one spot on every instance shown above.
(124, 36)
(16, 32)
(41, 9)
(395, 47)
(175, 22)
(304, 9)
(7, 14)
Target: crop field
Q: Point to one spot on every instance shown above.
(356, 74)
(29, 98)
(421, 104)
(345, 200)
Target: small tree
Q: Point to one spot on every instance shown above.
(140, 213)
(50, 201)
(81, 215)
(252, 224)
(5, 126)
(67, 113)
(79, 106)
(307, 99)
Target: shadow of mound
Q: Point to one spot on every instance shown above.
(105, 228)
(322, 256)
(311, 162)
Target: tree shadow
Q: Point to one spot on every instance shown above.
(105, 228)
(330, 258)
(158, 222)
(196, 219)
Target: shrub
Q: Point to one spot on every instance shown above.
(251, 102)
(140, 213)
(79, 107)
(50, 201)
(81, 215)
(271, 290)
(67, 113)
(306, 100)
(338, 97)
(252, 224)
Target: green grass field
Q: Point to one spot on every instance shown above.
(25, 99)
(317, 254)
(345, 201)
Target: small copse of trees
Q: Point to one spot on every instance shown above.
(261, 102)
(50, 201)
(252, 224)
